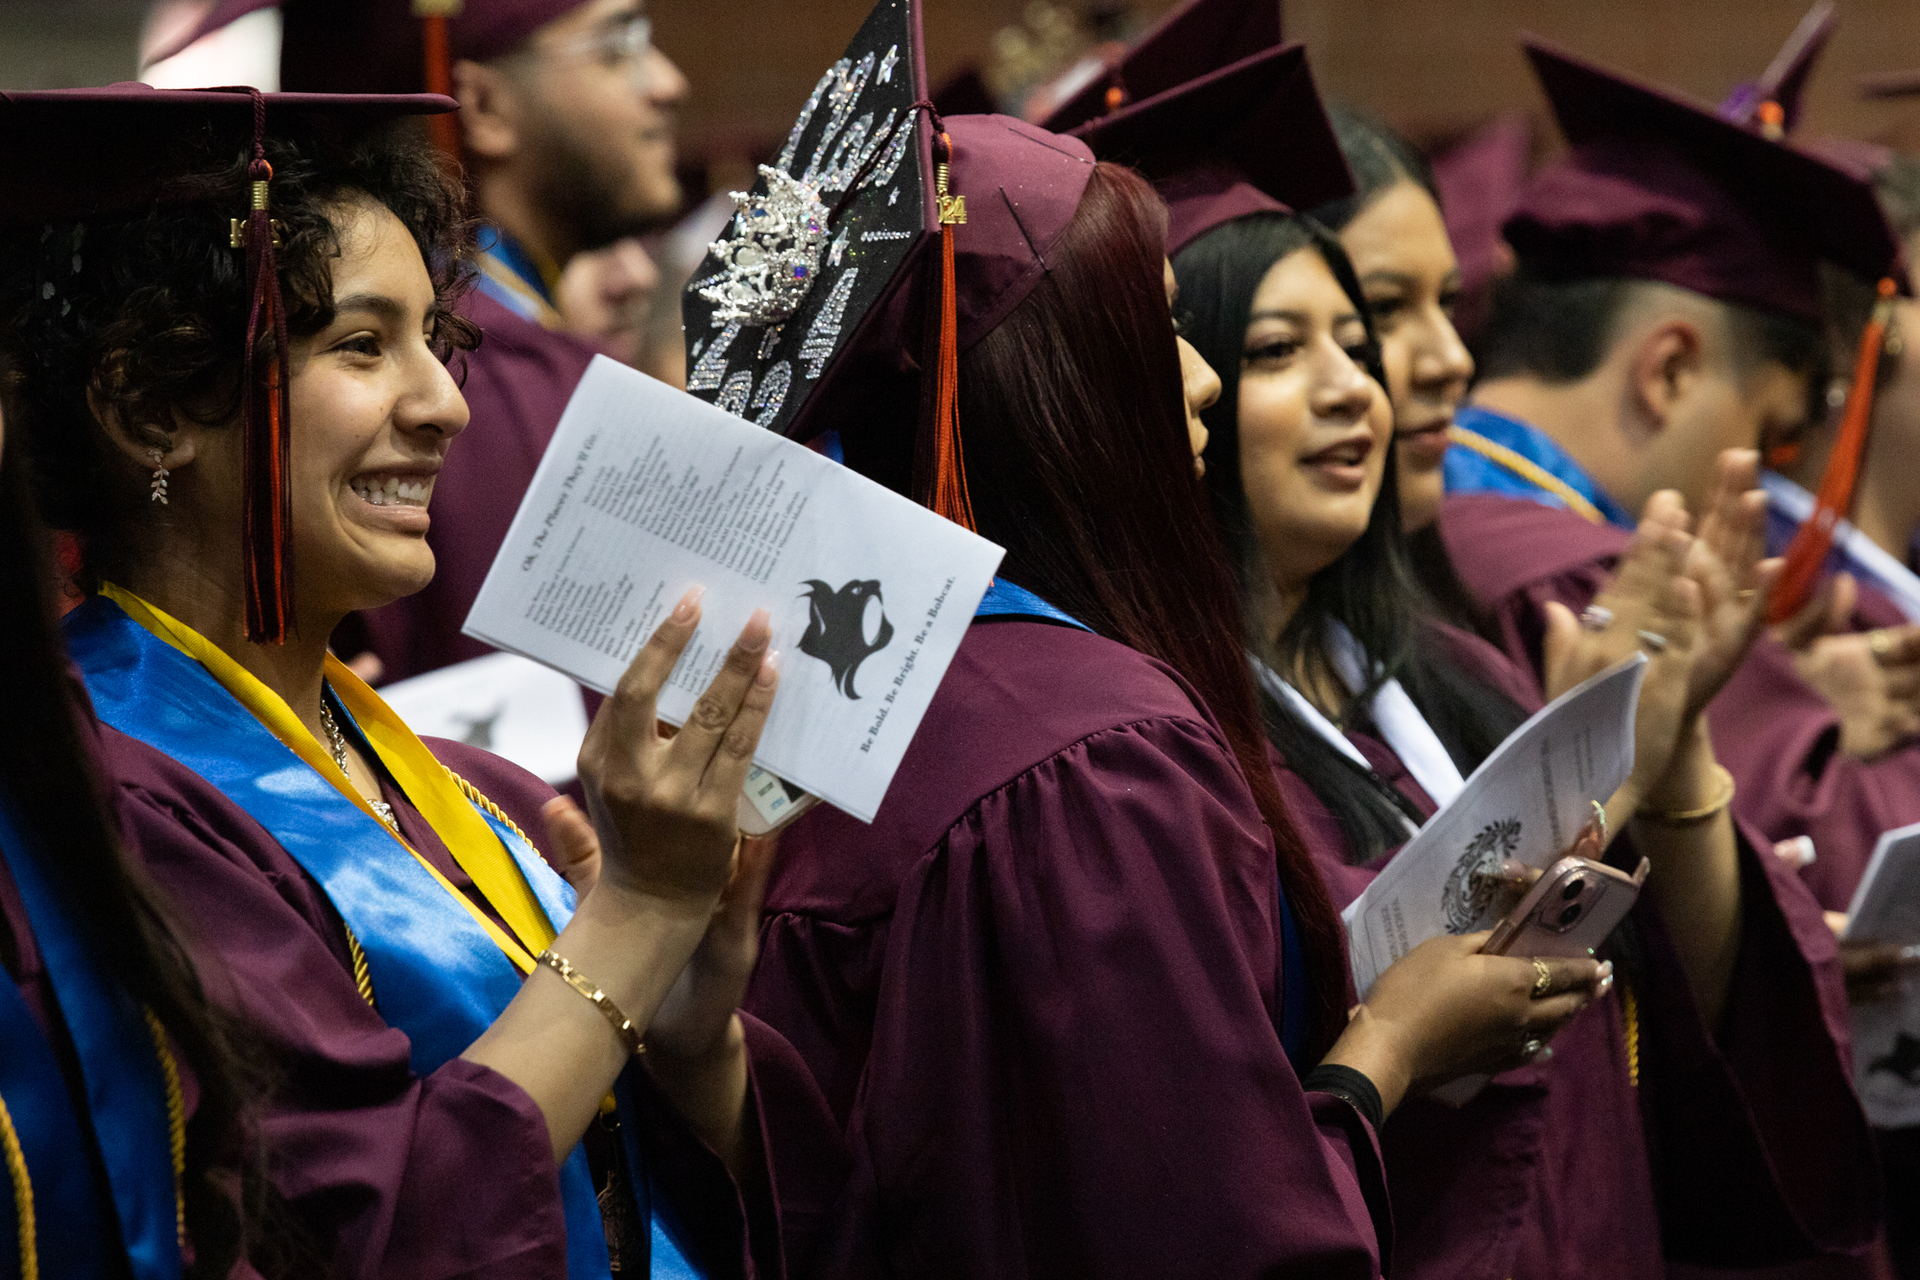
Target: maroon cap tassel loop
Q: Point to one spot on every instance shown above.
(267, 511)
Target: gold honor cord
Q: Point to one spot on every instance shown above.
(22, 1196)
(504, 276)
(476, 847)
(1527, 469)
(22, 1180)
(176, 1123)
(362, 976)
(1630, 1015)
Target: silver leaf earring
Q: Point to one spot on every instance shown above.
(158, 489)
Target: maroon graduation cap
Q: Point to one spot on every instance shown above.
(1196, 37)
(386, 46)
(1659, 188)
(877, 205)
(67, 155)
(1888, 84)
(1480, 179)
(1251, 137)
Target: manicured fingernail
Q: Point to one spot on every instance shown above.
(689, 603)
(1606, 985)
(1543, 1057)
(759, 627)
(769, 668)
(1606, 968)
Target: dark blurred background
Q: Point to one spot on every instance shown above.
(1433, 68)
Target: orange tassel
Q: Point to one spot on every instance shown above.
(1807, 554)
(950, 497)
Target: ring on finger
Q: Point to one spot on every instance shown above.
(1596, 617)
(1531, 1049)
(1543, 979)
(1880, 643)
(1654, 641)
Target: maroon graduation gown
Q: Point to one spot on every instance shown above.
(517, 384)
(1039, 997)
(1777, 735)
(1747, 1148)
(391, 1174)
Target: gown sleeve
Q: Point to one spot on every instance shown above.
(1762, 1153)
(1073, 1066)
(377, 1165)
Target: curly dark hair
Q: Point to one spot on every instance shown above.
(147, 309)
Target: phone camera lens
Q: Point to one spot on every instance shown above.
(1573, 890)
(1571, 914)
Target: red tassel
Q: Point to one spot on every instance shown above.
(950, 497)
(267, 513)
(438, 54)
(1807, 554)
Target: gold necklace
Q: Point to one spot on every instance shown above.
(338, 741)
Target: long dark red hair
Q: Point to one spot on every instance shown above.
(1078, 464)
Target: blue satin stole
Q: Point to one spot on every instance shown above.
(436, 974)
(1465, 471)
(123, 1101)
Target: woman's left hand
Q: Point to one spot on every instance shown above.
(696, 1046)
(692, 1022)
(575, 844)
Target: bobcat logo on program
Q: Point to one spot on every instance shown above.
(845, 628)
(1470, 889)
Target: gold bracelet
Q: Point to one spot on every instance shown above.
(622, 1026)
(1687, 817)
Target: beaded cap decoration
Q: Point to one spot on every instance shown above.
(774, 257)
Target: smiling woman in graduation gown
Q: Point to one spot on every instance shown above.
(1537, 1175)
(372, 903)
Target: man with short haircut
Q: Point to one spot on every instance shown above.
(1666, 308)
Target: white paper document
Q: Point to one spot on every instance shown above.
(502, 703)
(645, 491)
(1886, 1033)
(1526, 802)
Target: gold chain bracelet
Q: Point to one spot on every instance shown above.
(622, 1025)
(1687, 817)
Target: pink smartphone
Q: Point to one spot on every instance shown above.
(1570, 910)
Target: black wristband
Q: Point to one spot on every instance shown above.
(1351, 1085)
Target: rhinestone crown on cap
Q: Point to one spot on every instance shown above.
(774, 257)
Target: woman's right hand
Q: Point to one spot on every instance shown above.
(1444, 1010)
(664, 807)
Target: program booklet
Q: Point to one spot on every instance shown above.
(645, 491)
(1526, 802)
(1886, 1033)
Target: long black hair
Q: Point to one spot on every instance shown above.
(1370, 588)
(48, 776)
